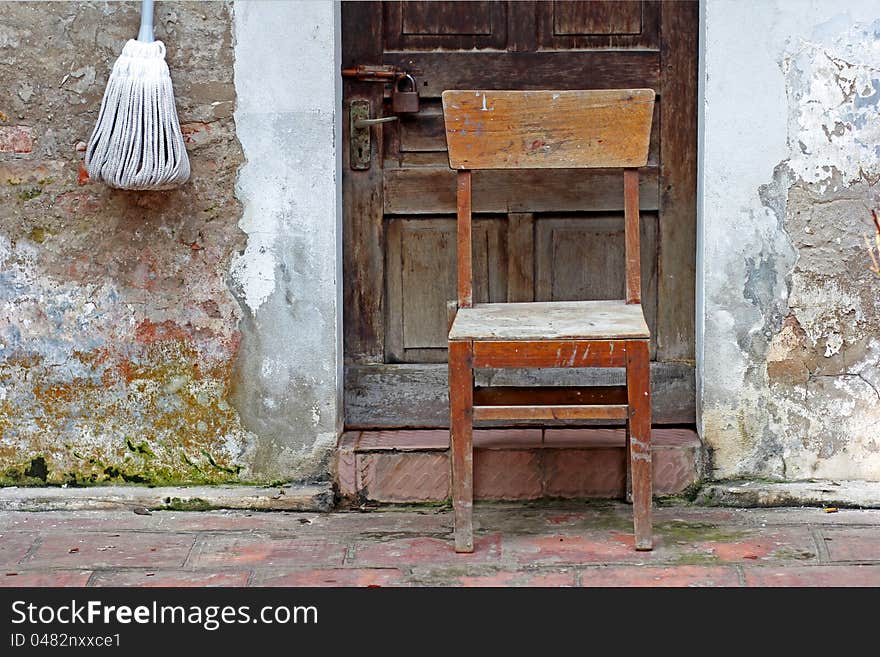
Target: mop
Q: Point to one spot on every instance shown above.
(137, 143)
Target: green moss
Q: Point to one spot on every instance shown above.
(696, 559)
(187, 504)
(30, 193)
(39, 235)
(141, 448)
(683, 533)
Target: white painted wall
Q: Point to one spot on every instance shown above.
(288, 278)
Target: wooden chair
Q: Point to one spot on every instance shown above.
(546, 130)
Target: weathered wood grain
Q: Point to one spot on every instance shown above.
(552, 413)
(465, 248)
(545, 69)
(678, 136)
(549, 395)
(384, 395)
(554, 320)
(520, 257)
(639, 439)
(632, 230)
(461, 389)
(432, 191)
(550, 353)
(548, 129)
(363, 236)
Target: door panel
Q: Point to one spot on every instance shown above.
(422, 277)
(537, 234)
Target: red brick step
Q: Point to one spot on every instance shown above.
(509, 464)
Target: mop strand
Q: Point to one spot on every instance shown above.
(137, 143)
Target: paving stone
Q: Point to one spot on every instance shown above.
(359, 577)
(264, 551)
(595, 548)
(424, 551)
(631, 576)
(517, 579)
(184, 578)
(14, 546)
(819, 575)
(44, 578)
(852, 544)
(778, 544)
(111, 549)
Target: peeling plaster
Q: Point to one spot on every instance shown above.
(789, 387)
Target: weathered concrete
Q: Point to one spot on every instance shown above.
(518, 545)
(117, 330)
(288, 277)
(843, 494)
(316, 497)
(790, 335)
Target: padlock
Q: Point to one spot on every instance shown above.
(405, 97)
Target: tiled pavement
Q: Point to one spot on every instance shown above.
(550, 543)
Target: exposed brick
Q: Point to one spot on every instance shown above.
(425, 551)
(584, 472)
(359, 577)
(398, 477)
(14, 546)
(184, 578)
(852, 544)
(615, 576)
(246, 552)
(107, 550)
(52, 578)
(818, 575)
(507, 474)
(16, 139)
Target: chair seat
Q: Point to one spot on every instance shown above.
(550, 320)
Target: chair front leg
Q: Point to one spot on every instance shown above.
(638, 385)
(461, 414)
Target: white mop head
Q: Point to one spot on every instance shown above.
(137, 143)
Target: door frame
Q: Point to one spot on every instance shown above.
(679, 173)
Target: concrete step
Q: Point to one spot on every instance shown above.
(509, 464)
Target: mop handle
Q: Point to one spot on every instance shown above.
(146, 31)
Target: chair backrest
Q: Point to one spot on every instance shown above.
(548, 130)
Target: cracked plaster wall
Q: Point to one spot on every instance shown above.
(790, 318)
(170, 337)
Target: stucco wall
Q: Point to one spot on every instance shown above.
(789, 336)
(170, 337)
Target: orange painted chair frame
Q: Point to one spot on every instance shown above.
(546, 130)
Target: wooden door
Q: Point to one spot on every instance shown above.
(538, 235)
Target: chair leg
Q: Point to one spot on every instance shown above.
(627, 466)
(638, 384)
(461, 414)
